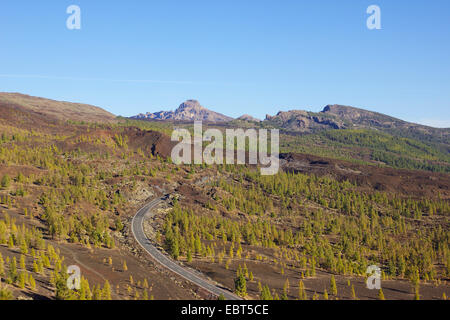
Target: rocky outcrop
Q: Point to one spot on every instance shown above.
(303, 121)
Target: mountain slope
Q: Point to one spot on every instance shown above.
(190, 110)
(344, 117)
(57, 110)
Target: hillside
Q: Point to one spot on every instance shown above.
(372, 146)
(335, 117)
(57, 110)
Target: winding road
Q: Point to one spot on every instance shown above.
(137, 227)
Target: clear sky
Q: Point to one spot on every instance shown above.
(235, 57)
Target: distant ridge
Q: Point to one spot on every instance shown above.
(58, 110)
(190, 110)
(345, 117)
(332, 117)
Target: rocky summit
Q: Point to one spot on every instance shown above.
(191, 110)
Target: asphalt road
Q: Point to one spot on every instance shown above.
(138, 232)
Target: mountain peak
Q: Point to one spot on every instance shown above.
(334, 108)
(247, 117)
(190, 104)
(346, 111)
(190, 110)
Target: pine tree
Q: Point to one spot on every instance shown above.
(301, 291)
(32, 283)
(416, 293)
(5, 182)
(96, 293)
(198, 244)
(22, 262)
(10, 242)
(265, 293)
(353, 293)
(2, 266)
(24, 247)
(62, 292)
(333, 286)
(40, 265)
(5, 294)
(325, 294)
(106, 292)
(137, 296)
(175, 248)
(13, 270)
(145, 283)
(231, 252)
(35, 267)
(284, 296)
(286, 285)
(21, 280)
(240, 285)
(381, 295)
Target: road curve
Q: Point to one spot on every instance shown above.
(137, 227)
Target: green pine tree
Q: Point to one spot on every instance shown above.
(240, 286)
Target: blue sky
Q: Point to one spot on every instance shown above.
(235, 57)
